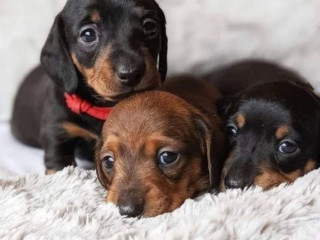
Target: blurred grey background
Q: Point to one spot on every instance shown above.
(202, 34)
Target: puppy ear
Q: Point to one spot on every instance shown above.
(99, 169)
(162, 58)
(56, 60)
(213, 143)
(223, 106)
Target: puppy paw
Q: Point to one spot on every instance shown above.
(50, 171)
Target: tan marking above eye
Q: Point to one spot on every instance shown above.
(241, 120)
(157, 141)
(282, 131)
(110, 145)
(95, 17)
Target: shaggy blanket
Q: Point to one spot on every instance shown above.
(70, 205)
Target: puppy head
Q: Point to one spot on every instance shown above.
(113, 47)
(154, 154)
(273, 131)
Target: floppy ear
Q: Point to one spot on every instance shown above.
(224, 105)
(213, 141)
(162, 59)
(100, 174)
(56, 60)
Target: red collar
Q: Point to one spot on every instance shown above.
(78, 105)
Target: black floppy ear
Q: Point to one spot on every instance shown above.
(162, 58)
(56, 59)
(213, 143)
(223, 106)
(99, 168)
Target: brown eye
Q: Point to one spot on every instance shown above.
(231, 130)
(88, 35)
(150, 27)
(108, 162)
(167, 158)
(288, 147)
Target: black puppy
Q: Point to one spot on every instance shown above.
(273, 125)
(97, 53)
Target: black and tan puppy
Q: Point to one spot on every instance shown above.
(158, 149)
(97, 53)
(273, 126)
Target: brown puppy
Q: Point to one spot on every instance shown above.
(156, 149)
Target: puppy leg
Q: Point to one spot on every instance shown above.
(59, 147)
(59, 151)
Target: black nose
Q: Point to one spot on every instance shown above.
(131, 210)
(130, 204)
(131, 74)
(232, 182)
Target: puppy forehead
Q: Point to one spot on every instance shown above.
(153, 113)
(78, 9)
(264, 113)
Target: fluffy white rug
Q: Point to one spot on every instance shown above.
(70, 205)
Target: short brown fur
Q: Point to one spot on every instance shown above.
(95, 17)
(241, 120)
(270, 177)
(101, 76)
(75, 131)
(140, 127)
(282, 132)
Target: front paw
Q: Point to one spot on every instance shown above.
(50, 171)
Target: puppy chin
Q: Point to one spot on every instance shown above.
(116, 97)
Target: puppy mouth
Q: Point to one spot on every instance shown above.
(119, 97)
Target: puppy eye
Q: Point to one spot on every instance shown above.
(108, 162)
(288, 147)
(231, 130)
(150, 27)
(88, 35)
(168, 158)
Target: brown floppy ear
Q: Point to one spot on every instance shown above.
(162, 58)
(56, 60)
(99, 168)
(213, 141)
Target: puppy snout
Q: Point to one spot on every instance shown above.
(130, 72)
(130, 204)
(238, 178)
(232, 182)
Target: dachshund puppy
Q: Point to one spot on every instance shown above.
(273, 127)
(97, 53)
(157, 149)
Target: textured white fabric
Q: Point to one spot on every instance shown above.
(70, 205)
(202, 34)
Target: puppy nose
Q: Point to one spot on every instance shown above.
(130, 203)
(232, 182)
(130, 209)
(130, 75)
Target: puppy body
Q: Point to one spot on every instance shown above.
(273, 126)
(232, 79)
(156, 148)
(100, 51)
